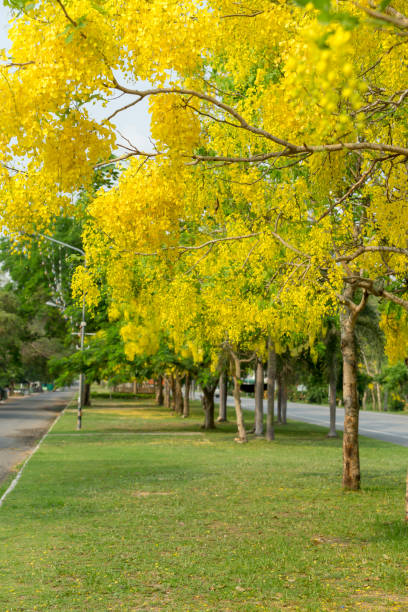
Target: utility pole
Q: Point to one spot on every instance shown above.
(81, 386)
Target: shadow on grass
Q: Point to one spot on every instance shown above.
(390, 531)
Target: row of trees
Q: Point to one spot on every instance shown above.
(274, 200)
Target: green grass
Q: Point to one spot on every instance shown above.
(137, 521)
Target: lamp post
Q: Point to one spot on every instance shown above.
(81, 386)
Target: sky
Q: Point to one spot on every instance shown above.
(134, 123)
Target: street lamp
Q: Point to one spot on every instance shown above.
(81, 386)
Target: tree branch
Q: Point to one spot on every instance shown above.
(371, 249)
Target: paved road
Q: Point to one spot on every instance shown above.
(23, 421)
(379, 425)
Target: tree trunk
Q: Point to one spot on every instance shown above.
(242, 437)
(166, 392)
(173, 393)
(332, 396)
(87, 394)
(186, 398)
(222, 412)
(406, 501)
(270, 430)
(284, 397)
(385, 400)
(351, 458)
(378, 391)
(208, 406)
(159, 391)
(259, 391)
(373, 401)
(178, 404)
(279, 410)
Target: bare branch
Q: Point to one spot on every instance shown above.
(290, 246)
(203, 96)
(208, 251)
(255, 14)
(352, 189)
(119, 110)
(290, 149)
(370, 286)
(371, 249)
(391, 16)
(115, 160)
(71, 21)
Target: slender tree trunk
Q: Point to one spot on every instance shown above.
(159, 391)
(222, 412)
(173, 393)
(351, 458)
(279, 409)
(166, 392)
(87, 394)
(385, 400)
(406, 501)
(242, 437)
(259, 391)
(178, 404)
(270, 430)
(284, 400)
(332, 396)
(186, 398)
(378, 391)
(208, 406)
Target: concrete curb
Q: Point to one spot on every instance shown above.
(17, 478)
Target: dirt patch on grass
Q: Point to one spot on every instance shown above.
(318, 539)
(379, 600)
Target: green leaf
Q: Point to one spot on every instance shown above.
(384, 4)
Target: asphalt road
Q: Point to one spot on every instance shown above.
(23, 421)
(379, 425)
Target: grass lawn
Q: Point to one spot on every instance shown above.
(119, 517)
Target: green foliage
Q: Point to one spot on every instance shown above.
(395, 379)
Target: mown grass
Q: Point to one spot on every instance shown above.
(124, 519)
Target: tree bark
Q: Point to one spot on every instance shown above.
(284, 396)
(270, 430)
(379, 400)
(87, 394)
(406, 500)
(159, 391)
(222, 412)
(279, 390)
(208, 406)
(166, 392)
(178, 403)
(351, 457)
(332, 396)
(242, 437)
(173, 393)
(385, 400)
(259, 391)
(186, 398)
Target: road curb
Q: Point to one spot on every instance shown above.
(14, 482)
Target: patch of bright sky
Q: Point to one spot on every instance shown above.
(133, 124)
